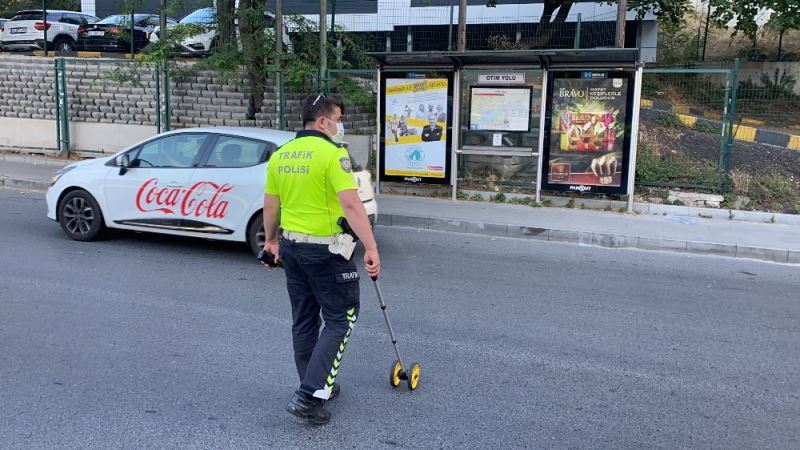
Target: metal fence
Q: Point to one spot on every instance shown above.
(684, 138)
(435, 28)
(707, 128)
(177, 96)
(110, 91)
(701, 127)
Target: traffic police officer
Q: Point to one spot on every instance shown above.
(310, 186)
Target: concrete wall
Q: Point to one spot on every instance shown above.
(753, 71)
(84, 136)
(27, 133)
(115, 92)
(648, 41)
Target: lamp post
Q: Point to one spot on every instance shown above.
(44, 19)
(323, 43)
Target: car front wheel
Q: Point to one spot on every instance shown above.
(80, 216)
(255, 234)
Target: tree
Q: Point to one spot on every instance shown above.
(785, 16)
(255, 40)
(247, 48)
(11, 7)
(226, 24)
(741, 15)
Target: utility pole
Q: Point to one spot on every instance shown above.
(323, 42)
(162, 18)
(333, 20)
(163, 78)
(462, 25)
(44, 19)
(278, 28)
(622, 10)
(279, 58)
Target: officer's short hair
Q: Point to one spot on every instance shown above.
(320, 105)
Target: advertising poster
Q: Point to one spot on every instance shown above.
(500, 109)
(587, 147)
(415, 129)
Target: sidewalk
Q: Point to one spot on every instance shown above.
(779, 242)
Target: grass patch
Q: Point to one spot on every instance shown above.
(672, 167)
(776, 192)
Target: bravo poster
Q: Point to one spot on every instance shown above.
(415, 129)
(589, 122)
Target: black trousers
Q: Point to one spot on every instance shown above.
(319, 281)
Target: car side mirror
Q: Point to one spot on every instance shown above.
(124, 164)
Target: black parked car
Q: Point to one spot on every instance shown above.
(113, 34)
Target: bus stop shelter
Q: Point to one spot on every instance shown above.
(570, 116)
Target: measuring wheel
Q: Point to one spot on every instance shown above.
(413, 376)
(395, 374)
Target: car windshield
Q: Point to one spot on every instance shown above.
(201, 16)
(35, 15)
(121, 19)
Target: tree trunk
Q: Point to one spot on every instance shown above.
(252, 26)
(547, 26)
(226, 31)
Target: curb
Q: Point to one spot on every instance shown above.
(608, 240)
(28, 185)
(43, 161)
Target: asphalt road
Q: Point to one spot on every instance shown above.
(143, 341)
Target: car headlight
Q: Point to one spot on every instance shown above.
(59, 174)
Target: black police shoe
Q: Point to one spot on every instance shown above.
(334, 391)
(308, 407)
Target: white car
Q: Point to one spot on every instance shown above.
(198, 182)
(204, 43)
(25, 31)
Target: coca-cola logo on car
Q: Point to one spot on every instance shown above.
(204, 198)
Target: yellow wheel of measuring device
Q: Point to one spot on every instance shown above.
(394, 374)
(413, 376)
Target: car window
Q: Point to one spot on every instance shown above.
(36, 15)
(203, 16)
(149, 21)
(238, 152)
(72, 19)
(87, 19)
(174, 151)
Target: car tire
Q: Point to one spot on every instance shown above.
(80, 216)
(63, 45)
(255, 234)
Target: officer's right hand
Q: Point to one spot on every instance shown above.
(272, 248)
(372, 263)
